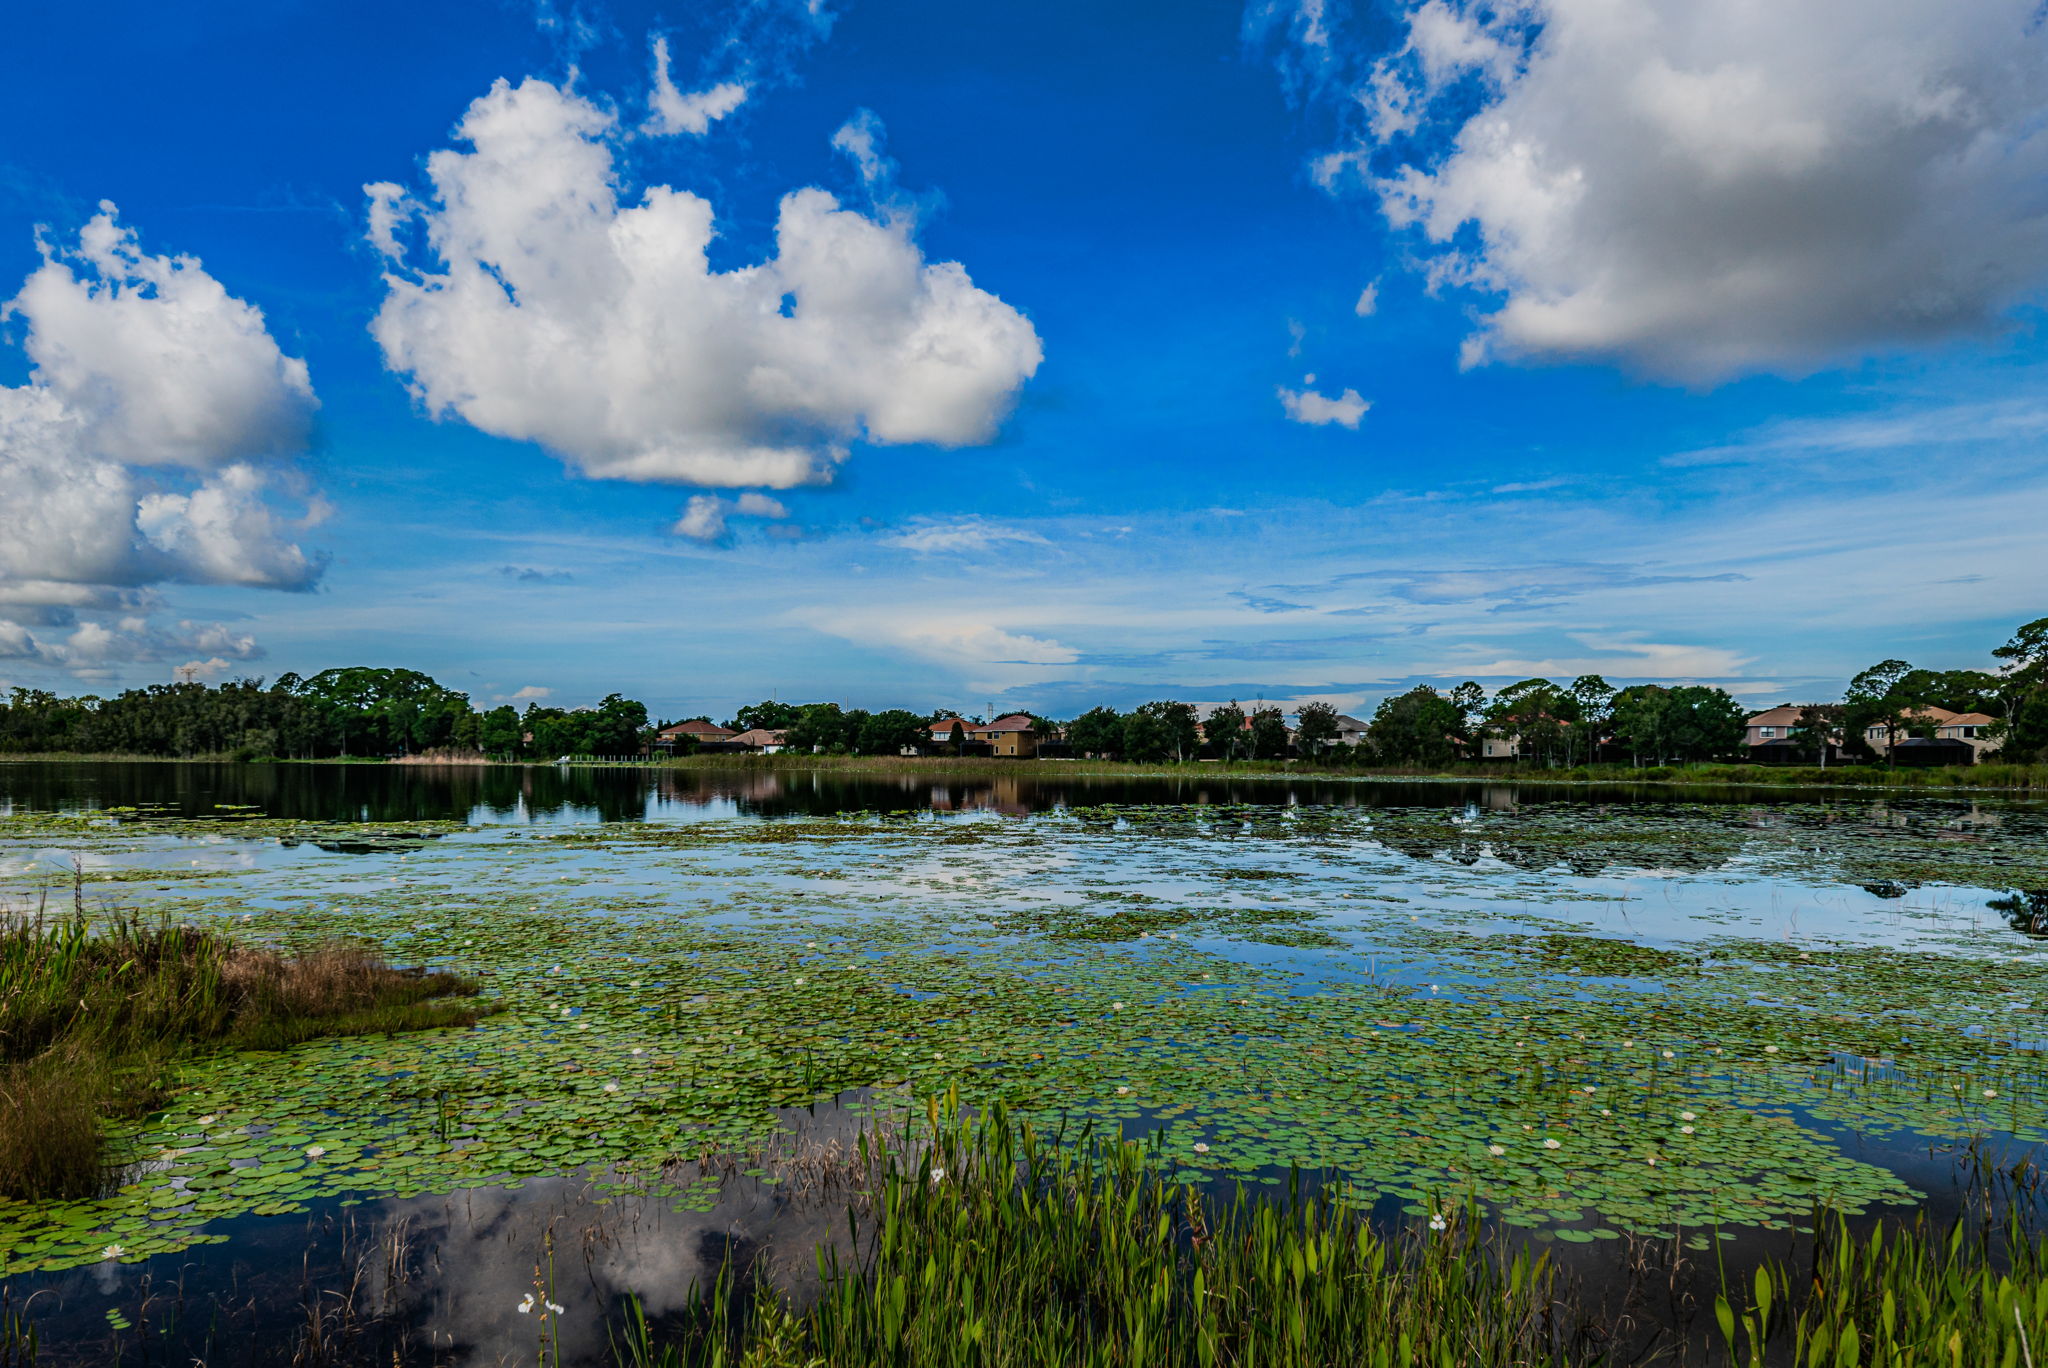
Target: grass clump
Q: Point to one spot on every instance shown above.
(988, 1248)
(96, 1013)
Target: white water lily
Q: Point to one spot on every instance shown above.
(639, 1050)
(1588, 1088)
(1687, 1116)
(113, 1252)
(582, 1025)
(1991, 1092)
(1201, 1148)
(1685, 1130)
(1770, 1049)
(1552, 1144)
(1123, 1092)
(315, 1151)
(1116, 1006)
(611, 1087)
(1671, 1054)
(1496, 1150)
(207, 1119)
(799, 983)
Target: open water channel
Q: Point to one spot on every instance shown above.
(1604, 1019)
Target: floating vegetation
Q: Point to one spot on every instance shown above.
(1634, 1035)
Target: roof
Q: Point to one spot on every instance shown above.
(1784, 715)
(1970, 720)
(699, 728)
(944, 726)
(1346, 722)
(760, 736)
(1013, 722)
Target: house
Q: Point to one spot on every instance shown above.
(1968, 729)
(1013, 737)
(1774, 724)
(1350, 731)
(762, 740)
(696, 734)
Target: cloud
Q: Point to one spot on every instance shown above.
(675, 112)
(532, 574)
(555, 313)
(1307, 406)
(1368, 301)
(1699, 191)
(148, 445)
(1514, 586)
(1621, 659)
(960, 537)
(1259, 603)
(704, 516)
(531, 691)
(980, 654)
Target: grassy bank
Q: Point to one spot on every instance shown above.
(987, 1249)
(1989, 776)
(96, 1015)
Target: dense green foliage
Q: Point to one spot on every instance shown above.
(357, 711)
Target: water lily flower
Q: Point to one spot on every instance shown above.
(1123, 1092)
(1116, 1006)
(315, 1151)
(1687, 1116)
(1685, 1130)
(611, 1087)
(1437, 1222)
(112, 1252)
(1671, 1054)
(1496, 1150)
(1770, 1049)
(799, 983)
(1628, 1044)
(1201, 1148)
(1588, 1088)
(639, 1050)
(1991, 1092)
(582, 1025)
(208, 1119)
(1551, 1144)
(1605, 1112)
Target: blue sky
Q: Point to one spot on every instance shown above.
(1746, 393)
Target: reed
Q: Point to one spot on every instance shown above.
(96, 1012)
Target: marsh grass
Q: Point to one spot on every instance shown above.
(987, 1246)
(95, 1013)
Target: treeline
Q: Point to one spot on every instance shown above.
(358, 711)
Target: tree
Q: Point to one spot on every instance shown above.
(1268, 735)
(891, 732)
(768, 715)
(1877, 698)
(1470, 701)
(1316, 729)
(2023, 692)
(1536, 714)
(1161, 731)
(1819, 727)
(1593, 699)
(1420, 727)
(1225, 731)
(1099, 731)
(1686, 724)
(817, 727)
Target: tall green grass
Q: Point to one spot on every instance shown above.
(96, 1012)
(990, 1248)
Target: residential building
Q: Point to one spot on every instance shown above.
(1013, 737)
(762, 740)
(1944, 726)
(697, 733)
(1350, 731)
(1775, 724)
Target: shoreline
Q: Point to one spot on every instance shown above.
(1991, 778)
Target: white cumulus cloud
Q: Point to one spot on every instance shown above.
(1704, 188)
(1305, 405)
(971, 535)
(157, 425)
(560, 311)
(705, 514)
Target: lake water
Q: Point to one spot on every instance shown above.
(1597, 1013)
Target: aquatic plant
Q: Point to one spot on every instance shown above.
(1029, 1254)
(95, 1012)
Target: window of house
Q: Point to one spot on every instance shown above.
(1767, 731)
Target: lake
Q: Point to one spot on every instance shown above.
(1598, 1015)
